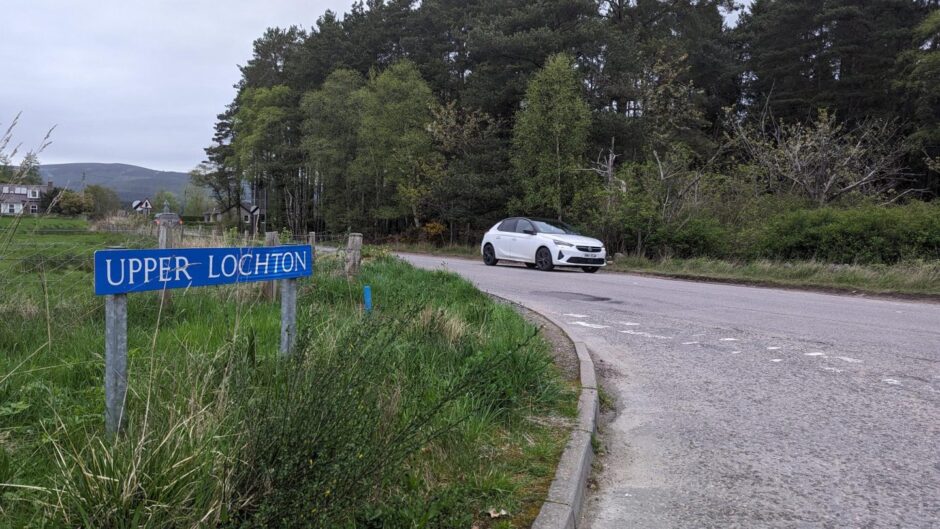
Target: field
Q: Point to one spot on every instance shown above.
(435, 409)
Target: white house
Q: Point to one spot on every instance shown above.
(17, 199)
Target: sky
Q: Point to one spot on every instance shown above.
(130, 81)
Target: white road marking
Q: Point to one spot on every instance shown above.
(589, 325)
(833, 369)
(689, 343)
(699, 334)
(816, 353)
(777, 360)
(628, 323)
(648, 335)
(891, 381)
(729, 339)
(576, 315)
(735, 352)
(849, 360)
(773, 348)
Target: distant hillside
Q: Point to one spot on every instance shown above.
(129, 181)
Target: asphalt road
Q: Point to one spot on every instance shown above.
(749, 407)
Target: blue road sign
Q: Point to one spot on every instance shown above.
(127, 271)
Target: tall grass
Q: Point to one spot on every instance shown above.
(416, 415)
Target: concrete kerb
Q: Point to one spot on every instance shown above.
(565, 500)
(562, 507)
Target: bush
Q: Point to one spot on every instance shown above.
(866, 234)
(700, 236)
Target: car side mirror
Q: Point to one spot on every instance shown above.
(529, 232)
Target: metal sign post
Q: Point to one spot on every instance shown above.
(288, 315)
(119, 272)
(115, 362)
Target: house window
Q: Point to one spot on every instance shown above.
(633, 109)
(33, 193)
(10, 209)
(33, 208)
(21, 191)
(6, 189)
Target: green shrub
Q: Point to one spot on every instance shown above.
(866, 234)
(699, 236)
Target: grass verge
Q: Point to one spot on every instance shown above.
(915, 278)
(909, 278)
(432, 411)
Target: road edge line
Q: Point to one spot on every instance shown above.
(564, 503)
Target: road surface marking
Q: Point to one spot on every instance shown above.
(628, 323)
(849, 360)
(833, 369)
(891, 381)
(648, 335)
(773, 348)
(729, 339)
(589, 325)
(777, 360)
(689, 343)
(817, 353)
(735, 352)
(576, 315)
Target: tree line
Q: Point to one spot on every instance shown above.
(640, 119)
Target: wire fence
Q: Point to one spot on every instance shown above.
(47, 264)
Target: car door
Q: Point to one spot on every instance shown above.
(504, 238)
(525, 244)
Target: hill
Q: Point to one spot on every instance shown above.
(130, 182)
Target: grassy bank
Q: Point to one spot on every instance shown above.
(430, 412)
(919, 278)
(906, 278)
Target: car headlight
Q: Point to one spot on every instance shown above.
(563, 243)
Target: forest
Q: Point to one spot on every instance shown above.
(805, 129)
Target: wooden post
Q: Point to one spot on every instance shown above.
(312, 241)
(165, 239)
(115, 362)
(353, 254)
(269, 290)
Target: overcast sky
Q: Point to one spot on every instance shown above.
(131, 81)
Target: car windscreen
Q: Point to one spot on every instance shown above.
(553, 227)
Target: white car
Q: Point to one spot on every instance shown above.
(542, 244)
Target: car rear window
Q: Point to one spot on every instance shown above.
(508, 225)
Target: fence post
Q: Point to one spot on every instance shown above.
(353, 254)
(167, 223)
(164, 239)
(269, 290)
(115, 362)
(312, 241)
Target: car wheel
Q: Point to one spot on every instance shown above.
(530, 265)
(543, 259)
(489, 255)
(590, 269)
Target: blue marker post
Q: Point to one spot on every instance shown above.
(367, 297)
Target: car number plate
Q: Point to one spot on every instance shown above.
(590, 255)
